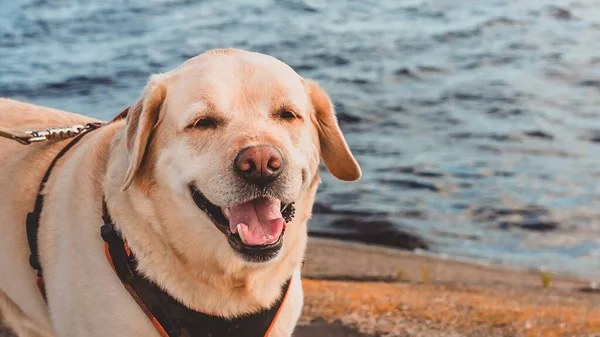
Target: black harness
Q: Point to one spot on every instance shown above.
(32, 221)
(170, 317)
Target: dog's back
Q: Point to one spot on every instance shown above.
(21, 170)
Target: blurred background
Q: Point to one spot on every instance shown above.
(476, 122)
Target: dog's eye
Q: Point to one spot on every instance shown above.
(204, 123)
(287, 115)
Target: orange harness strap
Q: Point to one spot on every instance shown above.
(137, 299)
(170, 317)
(153, 319)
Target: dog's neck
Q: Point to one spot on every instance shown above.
(211, 279)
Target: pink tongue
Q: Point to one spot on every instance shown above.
(261, 221)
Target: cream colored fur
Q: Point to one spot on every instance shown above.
(143, 167)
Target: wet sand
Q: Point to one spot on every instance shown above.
(386, 292)
(357, 290)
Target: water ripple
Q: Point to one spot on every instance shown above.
(476, 123)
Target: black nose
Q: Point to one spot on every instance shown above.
(260, 164)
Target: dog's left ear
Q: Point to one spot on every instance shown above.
(334, 150)
(142, 117)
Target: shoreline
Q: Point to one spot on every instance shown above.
(370, 262)
(415, 245)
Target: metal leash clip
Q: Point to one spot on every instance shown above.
(54, 133)
(28, 137)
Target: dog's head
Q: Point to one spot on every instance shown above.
(231, 142)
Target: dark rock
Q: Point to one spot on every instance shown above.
(378, 232)
(321, 328)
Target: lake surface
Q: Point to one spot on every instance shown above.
(477, 123)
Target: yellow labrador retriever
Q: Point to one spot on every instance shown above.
(240, 133)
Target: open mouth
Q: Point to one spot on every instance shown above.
(253, 228)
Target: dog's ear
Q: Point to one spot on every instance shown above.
(334, 150)
(142, 117)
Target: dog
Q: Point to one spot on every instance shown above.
(239, 131)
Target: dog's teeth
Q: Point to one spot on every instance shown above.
(241, 232)
(268, 237)
(226, 212)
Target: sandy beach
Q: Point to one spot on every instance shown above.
(357, 290)
(358, 286)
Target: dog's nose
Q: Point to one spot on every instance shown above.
(259, 164)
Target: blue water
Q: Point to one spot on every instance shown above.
(476, 122)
